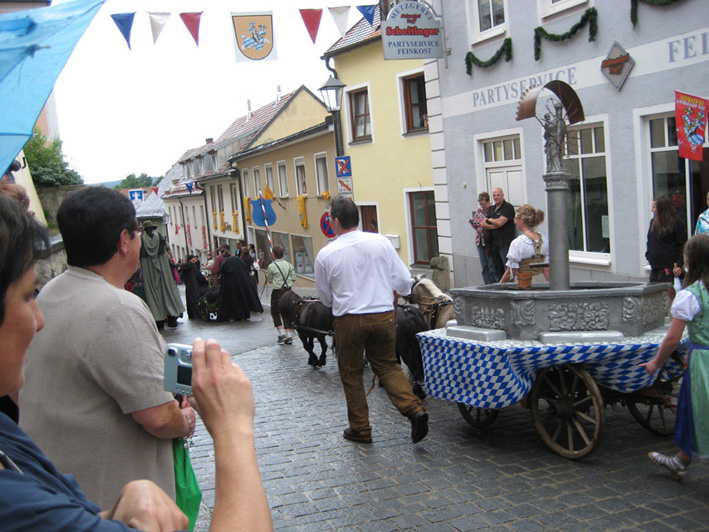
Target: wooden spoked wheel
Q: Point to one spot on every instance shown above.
(568, 410)
(478, 418)
(655, 407)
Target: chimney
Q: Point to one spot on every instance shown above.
(248, 110)
(278, 94)
(210, 140)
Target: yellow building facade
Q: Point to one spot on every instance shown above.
(385, 132)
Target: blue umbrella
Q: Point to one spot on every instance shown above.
(34, 47)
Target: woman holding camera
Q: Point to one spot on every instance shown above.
(38, 497)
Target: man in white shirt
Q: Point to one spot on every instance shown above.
(360, 276)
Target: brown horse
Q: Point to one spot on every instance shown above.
(436, 306)
(312, 320)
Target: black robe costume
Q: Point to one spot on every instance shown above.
(237, 294)
(195, 286)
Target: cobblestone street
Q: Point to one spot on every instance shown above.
(456, 479)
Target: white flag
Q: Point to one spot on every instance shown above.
(340, 15)
(157, 23)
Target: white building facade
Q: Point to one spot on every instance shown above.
(622, 155)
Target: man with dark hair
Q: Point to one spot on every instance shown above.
(360, 276)
(161, 292)
(500, 223)
(94, 398)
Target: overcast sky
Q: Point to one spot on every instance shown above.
(124, 111)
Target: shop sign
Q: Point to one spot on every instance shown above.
(617, 65)
(412, 31)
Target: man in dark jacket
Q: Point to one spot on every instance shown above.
(500, 223)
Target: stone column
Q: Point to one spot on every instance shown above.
(557, 202)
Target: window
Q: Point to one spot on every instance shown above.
(301, 181)
(415, 103)
(245, 183)
(213, 195)
(588, 190)
(502, 162)
(491, 13)
(208, 162)
(675, 177)
(198, 166)
(269, 177)
(422, 208)
(220, 197)
(486, 19)
(359, 115)
(257, 180)
(234, 193)
(552, 7)
(282, 179)
(282, 239)
(321, 173)
(303, 255)
(201, 215)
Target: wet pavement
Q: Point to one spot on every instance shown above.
(457, 479)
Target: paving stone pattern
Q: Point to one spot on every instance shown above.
(457, 479)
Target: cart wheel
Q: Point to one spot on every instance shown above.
(655, 407)
(568, 411)
(478, 418)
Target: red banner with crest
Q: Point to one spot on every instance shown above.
(691, 122)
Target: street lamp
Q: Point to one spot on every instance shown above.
(331, 92)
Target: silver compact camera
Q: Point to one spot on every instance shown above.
(178, 369)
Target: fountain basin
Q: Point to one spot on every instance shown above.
(587, 311)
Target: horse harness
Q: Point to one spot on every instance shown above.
(300, 305)
(431, 306)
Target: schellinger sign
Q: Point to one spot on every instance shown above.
(412, 31)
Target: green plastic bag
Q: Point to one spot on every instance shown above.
(187, 493)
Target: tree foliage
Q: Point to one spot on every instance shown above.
(47, 164)
(131, 181)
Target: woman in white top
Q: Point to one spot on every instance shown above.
(530, 244)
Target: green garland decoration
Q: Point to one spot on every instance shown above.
(471, 60)
(590, 16)
(634, 7)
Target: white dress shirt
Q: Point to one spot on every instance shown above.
(358, 272)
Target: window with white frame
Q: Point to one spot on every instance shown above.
(552, 7)
(282, 179)
(676, 177)
(360, 119)
(268, 168)
(502, 164)
(301, 180)
(321, 172)
(486, 18)
(257, 180)
(414, 92)
(588, 221)
(245, 183)
(303, 255)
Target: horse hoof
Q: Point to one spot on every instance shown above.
(323, 361)
(313, 362)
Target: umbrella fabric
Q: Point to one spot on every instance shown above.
(34, 47)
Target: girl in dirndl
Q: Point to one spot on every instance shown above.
(690, 307)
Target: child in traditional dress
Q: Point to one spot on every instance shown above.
(691, 306)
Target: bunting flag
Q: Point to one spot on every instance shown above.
(340, 16)
(191, 21)
(189, 234)
(204, 237)
(177, 229)
(124, 23)
(368, 13)
(189, 187)
(157, 23)
(691, 123)
(268, 194)
(311, 18)
(155, 190)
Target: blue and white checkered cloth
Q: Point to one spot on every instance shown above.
(499, 374)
